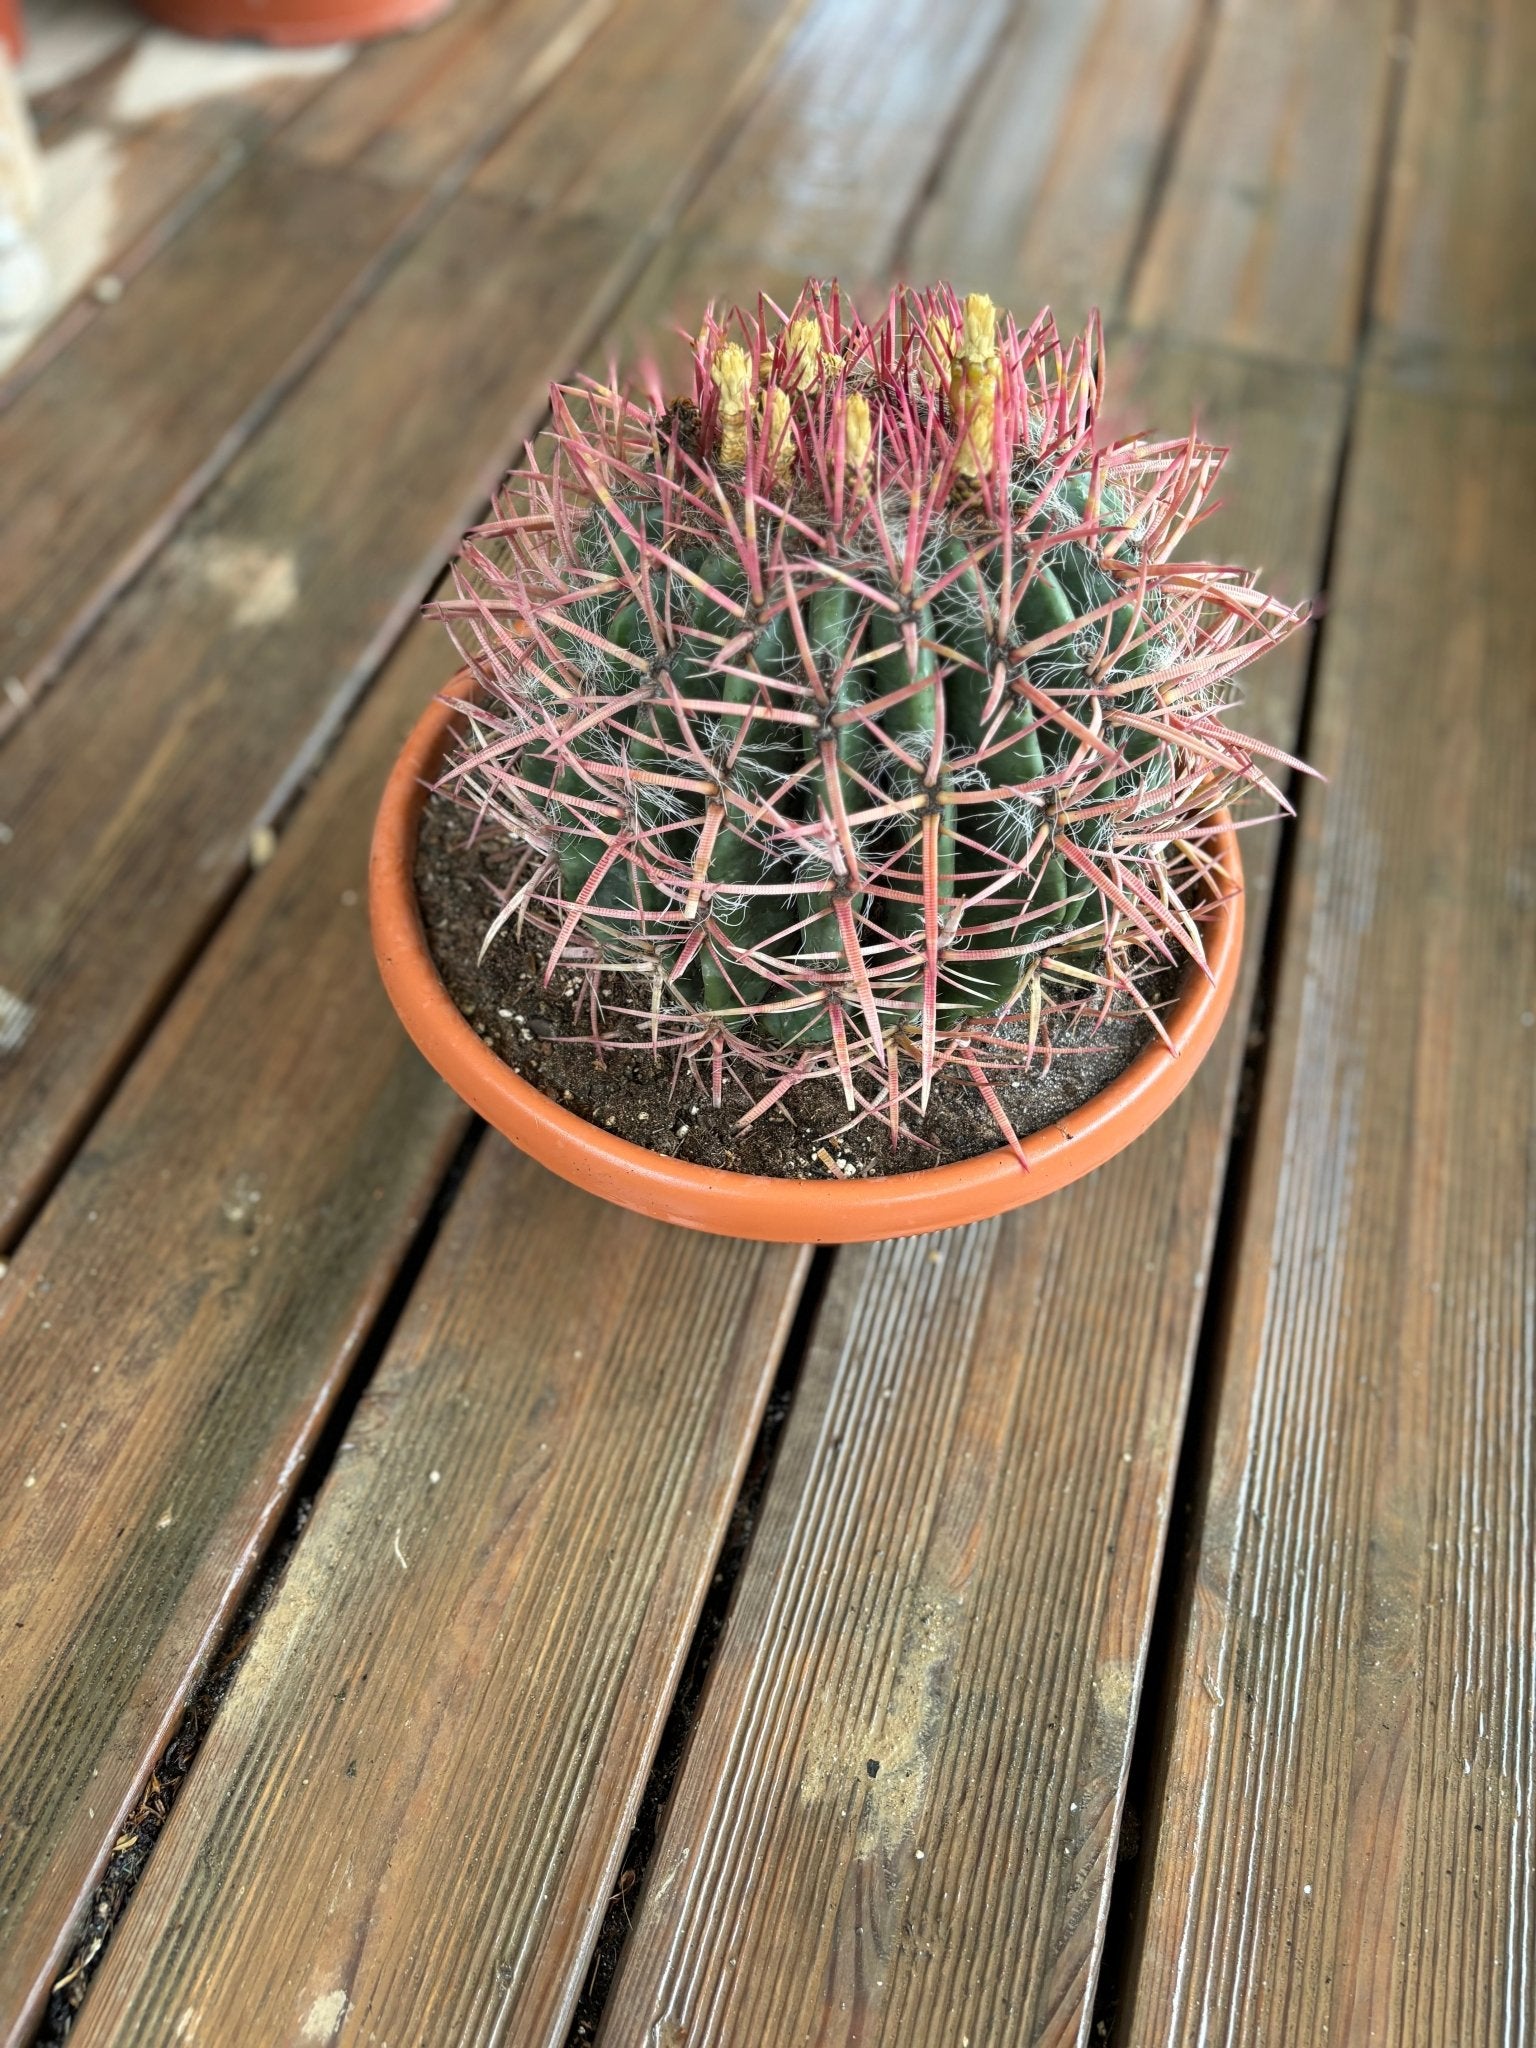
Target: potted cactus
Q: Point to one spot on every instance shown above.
(838, 760)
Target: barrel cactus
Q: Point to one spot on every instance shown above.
(852, 715)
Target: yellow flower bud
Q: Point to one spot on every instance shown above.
(773, 421)
(973, 383)
(731, 370)
(802, 355)
(980, 328)
(977, 419)
(941, 339)
(858, 432)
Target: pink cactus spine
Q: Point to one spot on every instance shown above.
(853, 716)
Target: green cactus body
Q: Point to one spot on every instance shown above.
(1005, 752)
(759, 758)
(831, 754)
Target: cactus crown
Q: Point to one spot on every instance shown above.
(852, 715)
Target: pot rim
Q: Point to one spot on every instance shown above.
(294, 24)
(719, 1199)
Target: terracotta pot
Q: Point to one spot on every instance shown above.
(742, 1204)
(292, 22)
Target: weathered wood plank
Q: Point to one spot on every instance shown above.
(218, 1372)
(1458, 270)
(107, 446)
(829, 162)
(955, 1567)
(178, 1324)
(454, 104)
(1045, 191)
(97, 450)
(890, 73)
(233, 651)
(578, 153)
(384, 81)
(406, 1821)
(1262, 236)
(1343, 1848)
(238, 649)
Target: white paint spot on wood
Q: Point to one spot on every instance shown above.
(168, 71)
(324, 2016)
(73, 228)
(16, 1021)
(261, 583)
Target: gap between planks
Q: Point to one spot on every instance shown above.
(310, 244)
(240, 930)
(1350, 1735)
(346, 1084)
(965, 1593)
(1364, 1400)
(346, 572)
(478, 1637)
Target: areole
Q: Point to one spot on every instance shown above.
(746, 1205)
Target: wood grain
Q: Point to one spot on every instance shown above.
(454, 107)
(105, 450)
(652, 76)
(176, 1328)
(1262, 236)
(96, 451)
(1347, 1788)
(828, 163)
(148, 183)
(235, 651)
(386, 80)
(409, 1814)
(216, 1371)
(954, 1574)
(223, 670)
(1044, 194)
(920, 1715)
(1458, 271)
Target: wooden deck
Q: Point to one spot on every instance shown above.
(1114, 1622)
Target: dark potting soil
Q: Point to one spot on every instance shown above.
(539, 1033)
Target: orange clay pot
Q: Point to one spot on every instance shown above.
(743, 1204)
(294, 22)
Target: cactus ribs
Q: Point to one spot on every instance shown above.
(851, 720)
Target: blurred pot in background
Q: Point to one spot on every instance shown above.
(293, 21)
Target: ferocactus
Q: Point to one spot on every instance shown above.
(852, 715)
